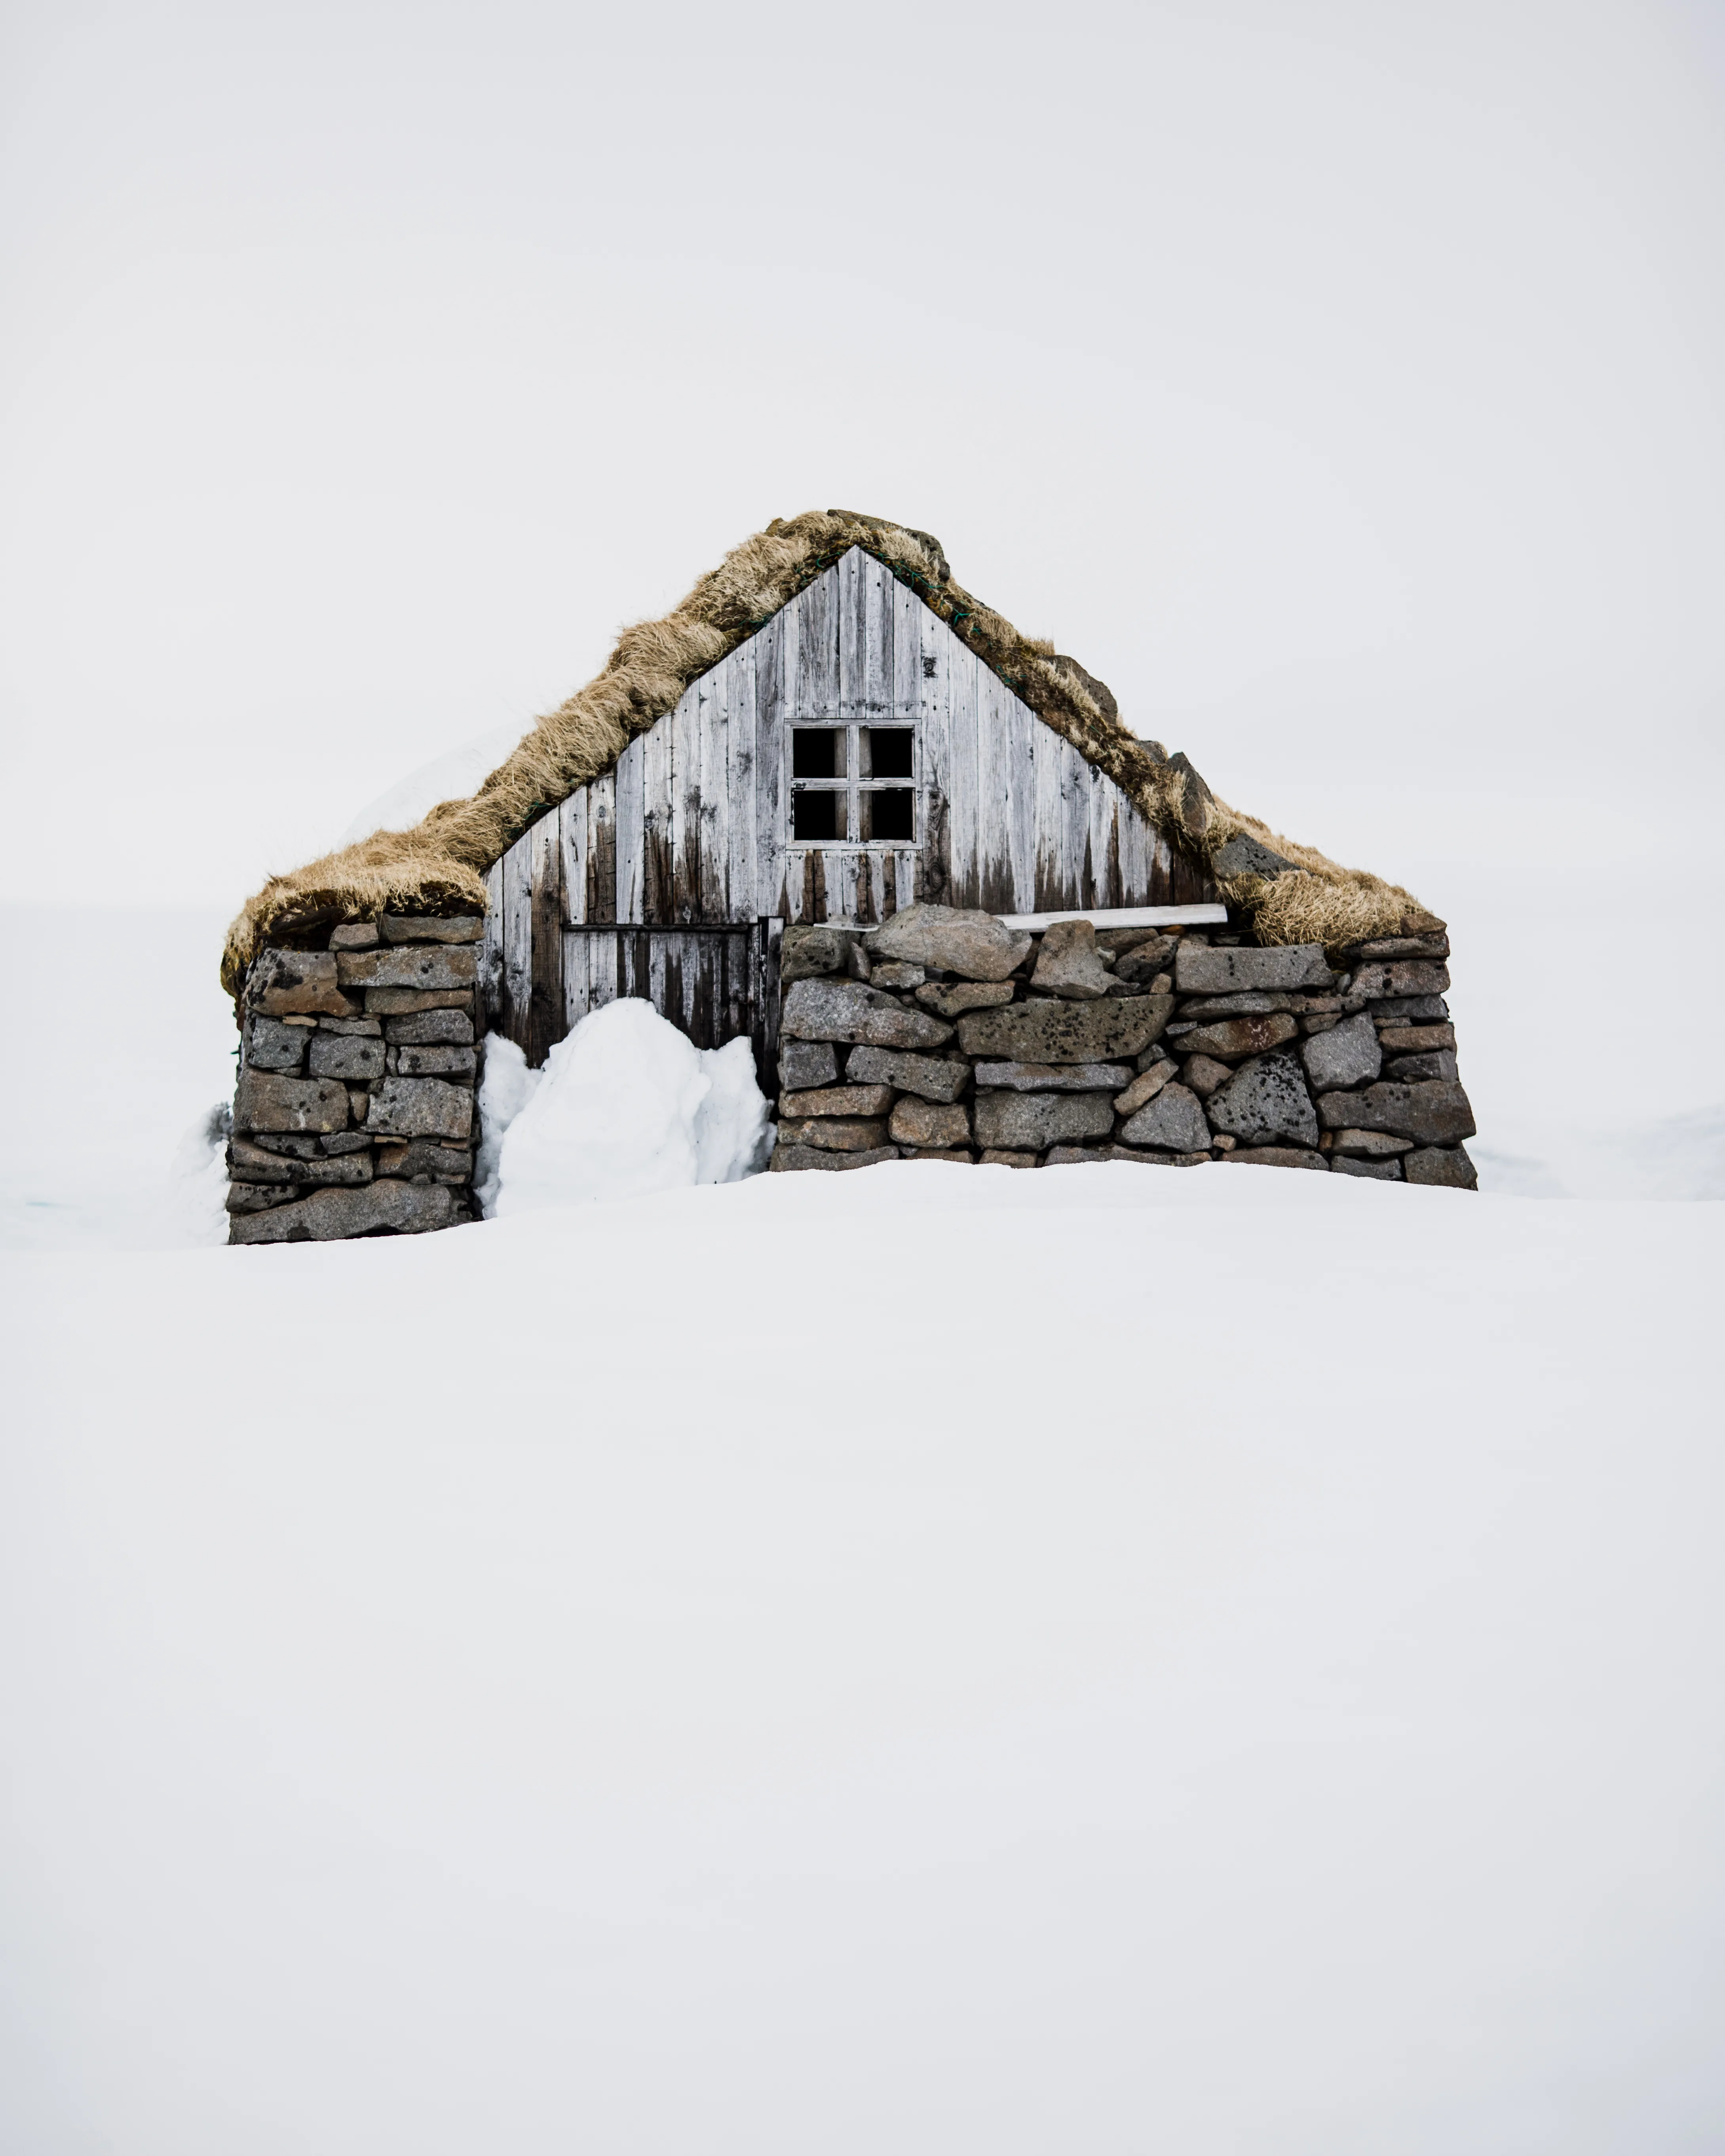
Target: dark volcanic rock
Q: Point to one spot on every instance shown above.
(1266, 1100)
(1100, 1032)
(847, 1011)
(1029, 1122)
(1432, 1114)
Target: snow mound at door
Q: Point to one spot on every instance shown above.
(625, 1105)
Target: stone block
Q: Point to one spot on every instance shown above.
(1400, 976)
(415, 966)
(927, 1123)
(1144, 1088)
(257, 1197)
(952, 998)
(1264, 1102)
(1322, 1022)
(1145, 959)
(1029, 1122)
(346, 1055)
(1074, 1155)
(403, 1003)
(1219, 970)
(932, 1076)
(1370, 1145)
(959, 1155)
(962, 941)
(266, 1100)
(1230, 1039)
(436, 1062)
(1435, 1114)
(271, 1045)
(1203, 1074)
(832, 1133)
(1274, 1157)
(1067, 964)
(1408, 1010)
(805, 953)
(1315, 1006)
(1053, 1077)
(1255, 1002)
(1441, 1064)
(1346, 1054)
(1447, 1165)
(847, 1011)
(354, 936)
(1400, 946)
(788, 1158)
(1415, 1039)
(412, 1157)
(1375, 1171)
(1173, 1122)
(422, 1027)
(335, 1142)
(806, 1065)
(1100, 1032)
(994, 1156)
(895, 974)
(249, 1163)
(837, 1100)
(327, 1216)
(290, 983)
(420, 1108)
(300, 1144)
(362, 1028)
(1150, 1159)
(429, 928)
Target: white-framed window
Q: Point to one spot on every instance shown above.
(853, 783)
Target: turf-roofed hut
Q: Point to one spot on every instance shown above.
(837, 805)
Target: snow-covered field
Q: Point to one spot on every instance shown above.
(937, 1659)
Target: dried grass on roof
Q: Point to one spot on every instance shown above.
(440, 866)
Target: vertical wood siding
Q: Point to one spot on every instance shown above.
(622, 890)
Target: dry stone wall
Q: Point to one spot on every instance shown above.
(354, 1113)
(946, 1036)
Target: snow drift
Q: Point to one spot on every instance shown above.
(625, 1105)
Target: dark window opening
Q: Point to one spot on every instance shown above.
(818, 752)
(816, 816)
(891, 813)
(889, 751)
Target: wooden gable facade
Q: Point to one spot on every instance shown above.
(853, 756)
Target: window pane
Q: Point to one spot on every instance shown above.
(817, 751)
(890, 749)
(817, 816)
(891, 813)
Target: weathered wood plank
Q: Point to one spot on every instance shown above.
(578, 996)
(908, 613)
(602, 847)
(741, 810)
(932, 877)
(491, 980)
(814, 685)
(963, 775)
(712, 797)
(544, 1016)
(517, 910)
(880, 619)
(571, 836)
(631, 826)
(852, 570)
(682, 726)
(1123, 916)
(657, 783)
(772, 657)
(1104, 802)
(994, 877)
(603, 969)
(1021, 728)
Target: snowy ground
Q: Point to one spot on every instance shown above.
(1235, 1669)
(938, 1658)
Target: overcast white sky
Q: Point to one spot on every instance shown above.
(1341, 382)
